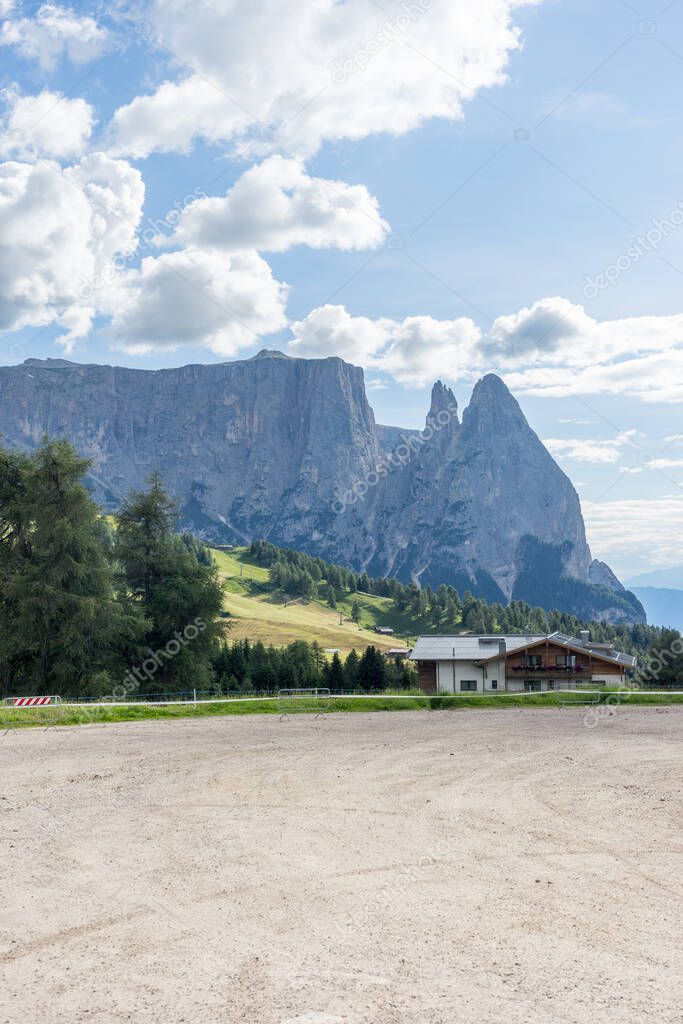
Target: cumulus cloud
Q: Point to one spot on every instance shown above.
(332, 331)
(413, 351)
(651, 378)
(649, 529)
(276, 205)
(551, 349)
(48, 124)
(600, 452)
(556, 331)
(54, 32)
(59, 229)
(326, 70)
(197, 297)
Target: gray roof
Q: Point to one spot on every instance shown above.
(468, 648)
(483, 647)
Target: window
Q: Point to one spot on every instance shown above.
(494, 684)
(532, 661)
(468, 684)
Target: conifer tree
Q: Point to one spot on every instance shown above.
(64, 623)
(179, 596)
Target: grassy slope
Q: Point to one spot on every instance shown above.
(259, 614)
(11, 719)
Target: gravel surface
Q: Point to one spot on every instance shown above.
(408, 868)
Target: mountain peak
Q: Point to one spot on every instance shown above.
(443, 401)
(51, 363)
(270, 353)
(491, 386)
(493, 403)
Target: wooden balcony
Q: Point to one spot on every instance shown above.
(549, 668)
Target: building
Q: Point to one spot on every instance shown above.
(397, 652)
(517, 664)
(384, 630)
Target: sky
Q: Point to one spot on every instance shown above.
(428, 189)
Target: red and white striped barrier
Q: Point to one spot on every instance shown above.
(31, 702)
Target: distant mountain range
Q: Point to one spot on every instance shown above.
(671, 578)
(663, 606)
(288, 450)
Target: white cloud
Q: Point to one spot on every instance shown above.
(54, 32)
(276, 205)
(197, 297)
(59, 229)
(423, 349)
(413, 351)
(331, 331)
(48, 124)
(315, 71)
(552, 349)
(649, 529)
(652, 378)
(6, 7)
(665, 463)
(600, 452)
(555, 331)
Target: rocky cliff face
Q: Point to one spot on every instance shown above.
(288, 449)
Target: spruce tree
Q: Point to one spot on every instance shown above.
(64, 622)
(351, 671)
(179, 596)
(334, 674)
(372, 670)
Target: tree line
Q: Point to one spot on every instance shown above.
(87, 610)
(246, 666)
(442, 609)
(90, 608)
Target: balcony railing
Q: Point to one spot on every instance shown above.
(568, 669)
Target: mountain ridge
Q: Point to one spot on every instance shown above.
(287, 449)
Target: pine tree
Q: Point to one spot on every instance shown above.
(355, 613)
(180, 597)
(371, 670)
(351, 671)
(65, 624)
(334, 674)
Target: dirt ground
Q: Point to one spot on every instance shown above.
(408, 868)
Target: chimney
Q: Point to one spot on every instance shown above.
(584, 637)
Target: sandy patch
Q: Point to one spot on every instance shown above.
(407, 868)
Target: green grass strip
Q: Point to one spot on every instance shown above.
(67, 716)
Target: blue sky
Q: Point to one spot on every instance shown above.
(433, 190)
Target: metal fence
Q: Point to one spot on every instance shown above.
(317, 700)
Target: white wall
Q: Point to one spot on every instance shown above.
(451, 673)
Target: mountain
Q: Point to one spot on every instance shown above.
(288, 450)
(671, 578)
(663, 606)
